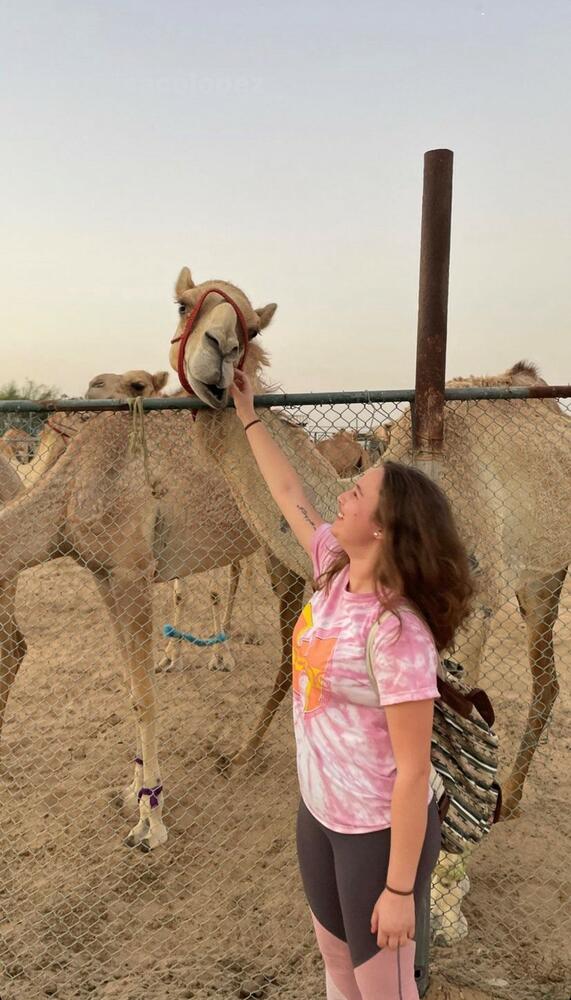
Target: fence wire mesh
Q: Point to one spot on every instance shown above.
(112, 527)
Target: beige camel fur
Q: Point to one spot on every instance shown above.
(511, 503)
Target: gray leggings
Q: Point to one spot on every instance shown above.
(344, 874)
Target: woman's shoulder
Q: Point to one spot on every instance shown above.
(405, 658)
(401, 623)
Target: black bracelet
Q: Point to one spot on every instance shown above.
(251, 424)
(397, 891)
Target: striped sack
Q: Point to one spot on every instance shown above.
(464, 757)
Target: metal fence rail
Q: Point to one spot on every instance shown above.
(101, 513)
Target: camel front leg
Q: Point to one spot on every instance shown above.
(234, 572)
(172, 658)
(132, 604)
(12, 643)
(450, 883)
(539, 606)
(130, 793)
(222, 657)
(240, 571)
(290, 589)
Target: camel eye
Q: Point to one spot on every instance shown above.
(138, 386)
(181, 309)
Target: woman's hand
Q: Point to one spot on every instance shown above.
(243, 396)
(392, 920)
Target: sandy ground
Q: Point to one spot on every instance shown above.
(218, 911)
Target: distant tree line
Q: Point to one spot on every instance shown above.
(31, 422)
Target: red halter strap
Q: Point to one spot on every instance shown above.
(183, 337)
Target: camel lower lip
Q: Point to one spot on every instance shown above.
(217, 394)
(211, 394)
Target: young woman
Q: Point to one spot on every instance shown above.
(368, 831)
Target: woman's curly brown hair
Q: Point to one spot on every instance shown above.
(422, 559)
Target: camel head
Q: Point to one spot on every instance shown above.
(344, 453)
(215, 347)
(132, 383)
(17, 443)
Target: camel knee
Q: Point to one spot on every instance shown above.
(144, 707)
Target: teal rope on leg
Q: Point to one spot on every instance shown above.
(170, 632)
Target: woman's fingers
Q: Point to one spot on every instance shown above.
(382, 939)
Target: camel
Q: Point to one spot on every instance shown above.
(141, 383)
(16, 476)
(17, 445)
(133, 520)
(56, 434)
(377, 440)
(345, 453)
(512, 503)
(60, 427)
(58, 431)
(127, 385)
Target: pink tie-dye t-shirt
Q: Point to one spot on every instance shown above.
(345, 761)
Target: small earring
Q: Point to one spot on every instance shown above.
(376, 534)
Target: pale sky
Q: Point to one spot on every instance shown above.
(280, 145)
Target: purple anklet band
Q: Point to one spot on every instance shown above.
(153, 794)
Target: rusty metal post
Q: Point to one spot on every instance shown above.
(428, 409)
(428, 406)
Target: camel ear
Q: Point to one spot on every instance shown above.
(265, 314)
(160, 379)
(183, 283)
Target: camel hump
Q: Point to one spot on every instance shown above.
(526, 373)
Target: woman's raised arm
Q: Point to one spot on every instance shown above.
(282, 480)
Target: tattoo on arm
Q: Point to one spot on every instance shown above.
(306, 516)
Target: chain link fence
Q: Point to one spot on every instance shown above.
(112, 527)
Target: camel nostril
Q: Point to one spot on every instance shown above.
(212, 338)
